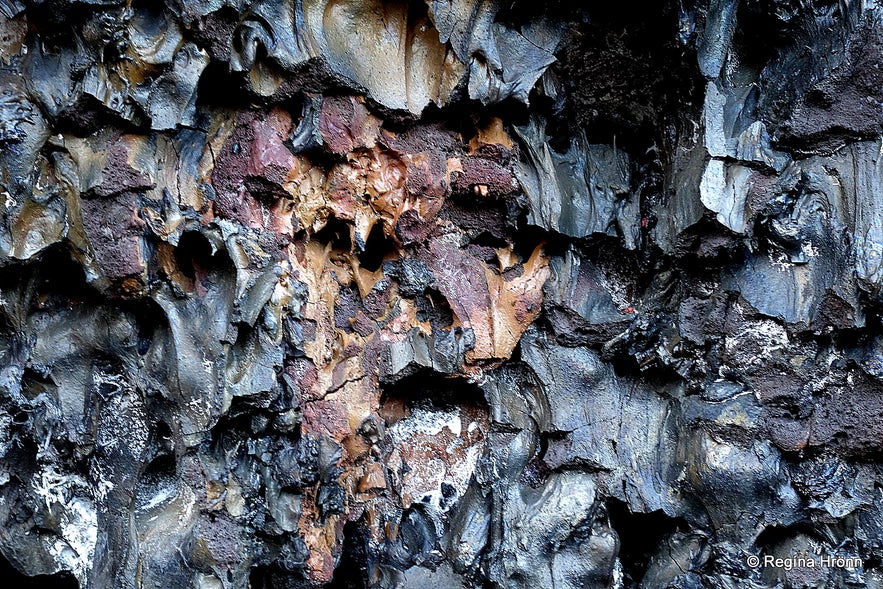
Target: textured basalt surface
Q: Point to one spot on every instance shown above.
(442, 293)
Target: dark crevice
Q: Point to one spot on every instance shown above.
(626, 74)
(640, 537)
(773, 535)
(429, 386)
(337, 233)
(14, 579)
(376, 249)
(351, 571)
(193, 253)
(60, 282)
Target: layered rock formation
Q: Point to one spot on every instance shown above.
(365, 293)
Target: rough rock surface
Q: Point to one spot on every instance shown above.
(442, 293)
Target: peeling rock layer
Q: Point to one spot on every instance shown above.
(365, 293)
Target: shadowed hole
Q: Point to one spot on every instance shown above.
(640, 536)
(13, 579)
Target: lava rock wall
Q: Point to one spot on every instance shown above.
(442, 293)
